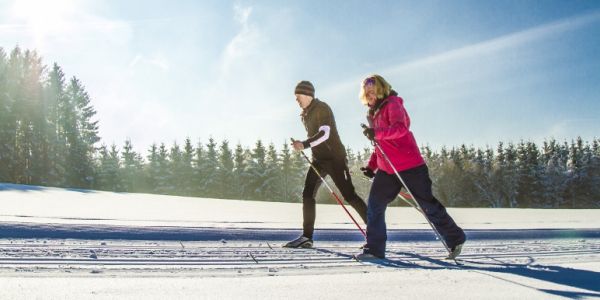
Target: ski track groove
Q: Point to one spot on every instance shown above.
(43, 256)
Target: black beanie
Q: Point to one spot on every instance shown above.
(305, 88)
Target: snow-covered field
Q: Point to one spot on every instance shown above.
(58, 243)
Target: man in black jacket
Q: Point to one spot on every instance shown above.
(329, 157)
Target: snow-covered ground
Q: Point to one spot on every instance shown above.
(58, 243)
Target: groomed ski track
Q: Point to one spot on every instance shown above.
(69, 244)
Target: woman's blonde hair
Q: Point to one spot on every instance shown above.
(382, 88)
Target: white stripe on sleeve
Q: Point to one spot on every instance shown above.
(325, 129)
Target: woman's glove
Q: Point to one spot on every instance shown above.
(369, 133)
(367, 172)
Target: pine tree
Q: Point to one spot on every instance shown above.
(272, 186)
(109, 176)
(175, 167)
(366, 155)
(162, 172)
(509, 177)
(484, 179)
(434, 163)
(7, 122)
(198, 162)
(132, 171)
(151, 169)
(256, 172)
(20, 125)
(529, 173)
(594, 174)
(102, 178)
(452, 177)
(55, 135)
(115, 161)
(351, 157)
(34, 120)
(187, 169)
(239, 173)
(355, 162)
(81, 135)
(286, 172)
(580, 183)
(209, 169)
(439, 182)
(554, 179)
(494, 191)
(225, 173)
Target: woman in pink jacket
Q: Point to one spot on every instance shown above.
(390, 127)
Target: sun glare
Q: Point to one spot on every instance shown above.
(44, 17)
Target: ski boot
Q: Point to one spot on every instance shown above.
(301, 242)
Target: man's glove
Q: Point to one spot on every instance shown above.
(369, 133)
(367, 172)
(297, 145)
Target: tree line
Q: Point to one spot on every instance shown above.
(48, 137)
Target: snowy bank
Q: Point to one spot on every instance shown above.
(27, 211)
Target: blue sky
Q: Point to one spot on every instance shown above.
(473, 72)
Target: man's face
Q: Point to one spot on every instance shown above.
(303, 100)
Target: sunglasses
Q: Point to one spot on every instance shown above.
(369, 81)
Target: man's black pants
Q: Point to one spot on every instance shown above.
(338, 170)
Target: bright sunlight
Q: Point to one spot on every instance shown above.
(44, 17)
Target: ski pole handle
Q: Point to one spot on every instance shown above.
(293, 141)
(364, 126)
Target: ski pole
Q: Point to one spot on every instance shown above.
(408, 190)
(332, 192)
(403, 196)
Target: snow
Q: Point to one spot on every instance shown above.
(397, 285)
(52, 205)
(74, 244)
